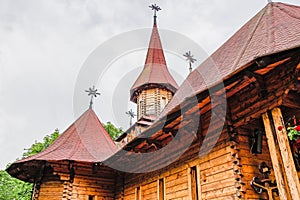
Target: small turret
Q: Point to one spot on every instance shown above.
(155, 86)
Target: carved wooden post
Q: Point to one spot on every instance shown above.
(38, 182)
(275, 158)
(36, 191)
(286, 154)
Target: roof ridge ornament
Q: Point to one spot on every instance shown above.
(190, 59)
(130, 114)
(93, 93)
(155, 8)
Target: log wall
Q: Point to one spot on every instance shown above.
(249, 162)
(150, 102)
(51, 190)
(215, 177)
(264, 94)
(246, 107)
(96, 182)
(51, 186)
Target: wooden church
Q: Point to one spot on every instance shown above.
(230, 131)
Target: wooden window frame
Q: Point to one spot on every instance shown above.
(94, 197)
(138, 193)
(164, 102)
(194, 182)
(140, 108)
(161, 183)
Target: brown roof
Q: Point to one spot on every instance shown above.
(85, 140)
(155, 72)
(275, 28)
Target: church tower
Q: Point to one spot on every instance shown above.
(155, 86)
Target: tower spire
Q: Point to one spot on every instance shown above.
(155, 86)
(155, 73)
(155, 8)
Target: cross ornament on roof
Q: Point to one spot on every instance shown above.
(93, 93)
(190, 59)
(131, 114)
(155, 8)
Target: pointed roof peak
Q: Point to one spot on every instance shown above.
(155, 72)
(85, 140)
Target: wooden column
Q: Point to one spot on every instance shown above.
(199, 183)
(194, 183)
(38, 182)
(275, 157)
(286, 154)
(189, 181)
(36, 191)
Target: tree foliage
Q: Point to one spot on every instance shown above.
(14, 189)
(113, 131)
(37, 147)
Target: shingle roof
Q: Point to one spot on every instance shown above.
(85, 140)
(275, 28)
(155, 71)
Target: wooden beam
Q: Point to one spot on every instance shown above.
(242, 84)
(291, 100)
(272, 66)
(275, 158)
(287, 157)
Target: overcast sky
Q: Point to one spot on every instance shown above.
(45, 44)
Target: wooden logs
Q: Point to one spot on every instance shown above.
(286, 154)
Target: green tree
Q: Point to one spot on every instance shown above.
(14, 189)
(113, 131)
(37, 147)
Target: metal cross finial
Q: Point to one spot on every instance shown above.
(93, 93)
(131, 114)
(156, 8)
(190, 59)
